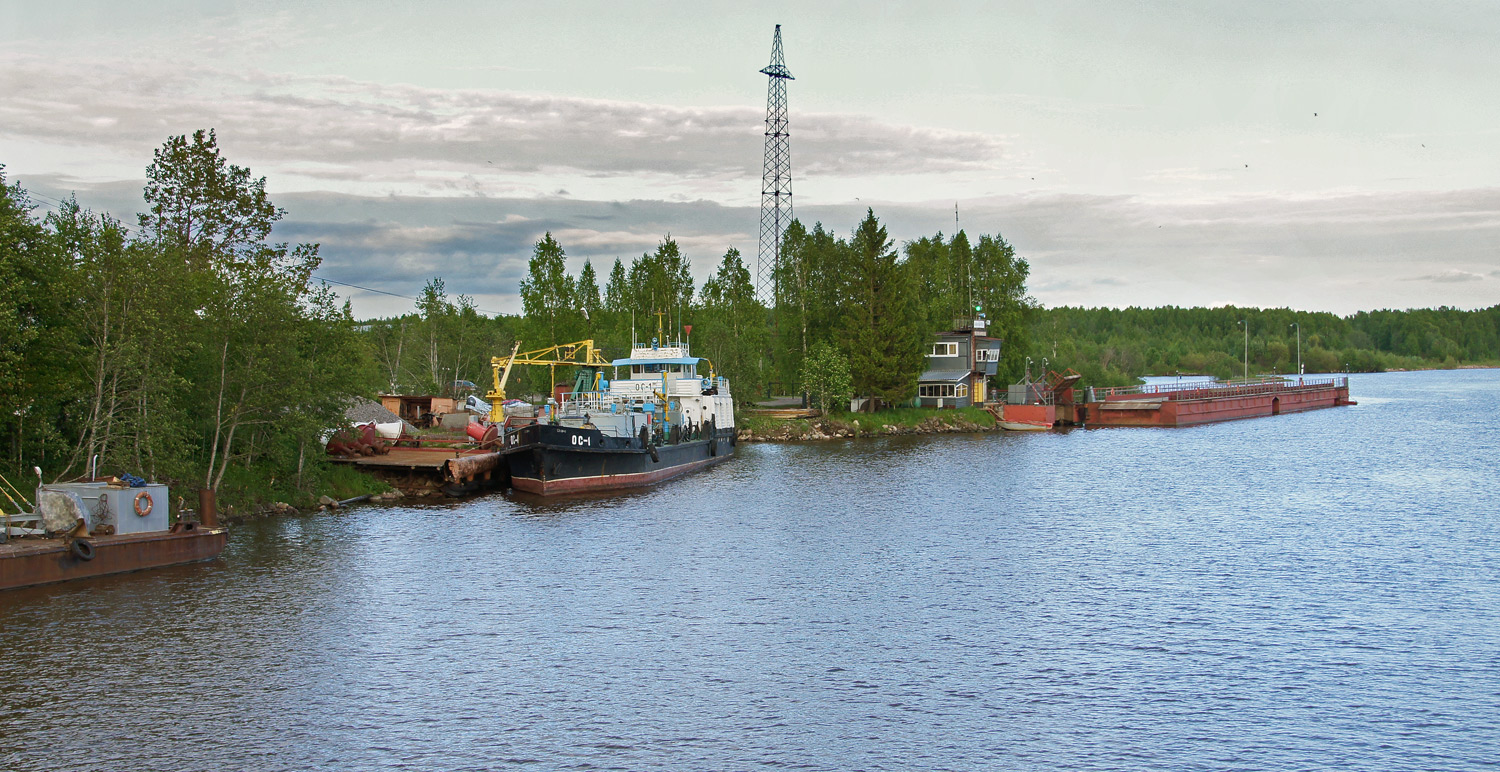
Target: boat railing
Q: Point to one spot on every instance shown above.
(579, 402)
(1205, 388)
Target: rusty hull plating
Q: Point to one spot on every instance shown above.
(29, 562)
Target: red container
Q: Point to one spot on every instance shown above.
(482, 433)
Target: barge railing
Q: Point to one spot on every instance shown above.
(1205, 389)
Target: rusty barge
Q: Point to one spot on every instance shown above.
(96, 528)
(1058, 401)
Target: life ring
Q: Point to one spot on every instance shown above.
(142, 511)
(83, 549)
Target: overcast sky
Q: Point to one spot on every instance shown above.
(1323, 156)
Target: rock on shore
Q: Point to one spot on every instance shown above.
(831, 429)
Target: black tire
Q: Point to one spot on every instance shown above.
(652, 450)
(83, 549)
(713, 446)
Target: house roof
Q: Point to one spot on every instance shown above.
(944, 376)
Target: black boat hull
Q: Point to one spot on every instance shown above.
(548, 460)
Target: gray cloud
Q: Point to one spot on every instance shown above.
(341, 129)
(1338, 253)
(1449, 276)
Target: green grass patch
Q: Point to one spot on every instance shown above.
(905, 419)
(247, 491)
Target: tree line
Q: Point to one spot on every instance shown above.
(859, 305)
(1114, 346)
(192, 348)
(187, 348)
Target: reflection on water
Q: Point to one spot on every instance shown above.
(1308, 591)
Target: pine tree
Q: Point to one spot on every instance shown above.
(884, 324)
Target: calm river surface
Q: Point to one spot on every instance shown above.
(1309, 591)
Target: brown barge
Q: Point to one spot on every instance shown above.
(25, 562)
(1059, 402)
(1187, 404)
(115, 529)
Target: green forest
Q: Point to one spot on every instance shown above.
(190, 347)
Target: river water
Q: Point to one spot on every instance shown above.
(1308, 591)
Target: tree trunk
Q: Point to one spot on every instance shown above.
(213, 454)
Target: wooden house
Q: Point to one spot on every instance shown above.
(959, 364)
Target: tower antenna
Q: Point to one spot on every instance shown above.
(776, 176)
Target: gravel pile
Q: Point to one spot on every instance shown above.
(363, 411)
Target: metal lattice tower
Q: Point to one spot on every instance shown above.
(776, 176)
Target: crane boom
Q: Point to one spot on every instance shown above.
(580, 352)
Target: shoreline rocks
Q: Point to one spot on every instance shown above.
(807, 430)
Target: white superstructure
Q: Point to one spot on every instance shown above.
(655, 383)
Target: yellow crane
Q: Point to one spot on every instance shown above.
(578, 353)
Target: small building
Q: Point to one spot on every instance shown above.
(959, 364)
(422, 410)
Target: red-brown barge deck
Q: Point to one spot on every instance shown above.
(1186, 404)
(26, 562)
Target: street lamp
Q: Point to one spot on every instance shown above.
(1246, 325)
(1298, 325)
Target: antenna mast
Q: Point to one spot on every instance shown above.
(776, 176)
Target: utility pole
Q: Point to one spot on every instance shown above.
(1246, 323)
(1298, 325)
(776, 176)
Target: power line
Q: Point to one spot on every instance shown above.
(392, 294)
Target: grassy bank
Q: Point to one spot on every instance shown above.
(247, 493)
(908, 420)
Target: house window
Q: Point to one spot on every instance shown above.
(935, 390)
(962, 390)
(944, 350)
(987, 355)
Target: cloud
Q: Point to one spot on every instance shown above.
(342, 129)
(1449, 276)
(1338, 253)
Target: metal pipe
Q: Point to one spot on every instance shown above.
(208, 511)
(465, 468)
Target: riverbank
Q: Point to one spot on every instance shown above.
(246, 495)
(885, 423)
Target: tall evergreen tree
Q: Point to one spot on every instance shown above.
(885, 328)
(617, 291)
(587, 292)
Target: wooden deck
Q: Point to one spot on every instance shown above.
(410, 459)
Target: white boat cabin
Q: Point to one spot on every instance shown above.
(654, 384)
